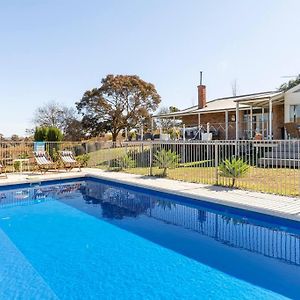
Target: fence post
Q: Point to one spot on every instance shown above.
(216, 163)
(151, 158)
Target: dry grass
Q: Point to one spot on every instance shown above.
(277, 181)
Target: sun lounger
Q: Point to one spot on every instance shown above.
(2, 171)
(43, 161)
(68, 160)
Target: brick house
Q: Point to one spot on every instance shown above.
(265, 115)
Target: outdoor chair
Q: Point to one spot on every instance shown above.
(43, 161)
(68, 160)
(293, 130)
(2, 171)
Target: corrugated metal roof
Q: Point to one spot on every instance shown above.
(258, 96)
(222, 104)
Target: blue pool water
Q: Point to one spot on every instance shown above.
(90, 239)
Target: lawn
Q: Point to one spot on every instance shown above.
(277, 181)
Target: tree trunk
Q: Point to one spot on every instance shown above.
(164, 172)
(114, 136)
(233, 182)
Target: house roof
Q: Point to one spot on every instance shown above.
(262, 99)
(227, 103)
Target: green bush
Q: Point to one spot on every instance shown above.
(40, 134)
(54, 135)
(166, 160)
(83, 159)
(49, 134)
(17, 166)
(125, 162)
(174, 133)
(233, 168)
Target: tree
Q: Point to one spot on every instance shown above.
(290, 84)
(122, 101)
(15, 138)
(167, 123)
(74, 130)
(53, 114)
(58, 116)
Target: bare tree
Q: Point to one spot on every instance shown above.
(167, 123)
(53, 114)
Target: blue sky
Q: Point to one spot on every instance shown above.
(57, 49)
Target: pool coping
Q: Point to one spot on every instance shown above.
(274, 205)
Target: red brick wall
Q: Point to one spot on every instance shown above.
(201, 96)
(216, 120)
(278, 121)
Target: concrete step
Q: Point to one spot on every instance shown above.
(283, 155)
(288, 147)
(282, 163)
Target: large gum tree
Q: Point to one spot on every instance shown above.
(122, 101)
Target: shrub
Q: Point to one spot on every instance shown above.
(83, 159)
(54, 135)
(125, 162)
(166, 160)
(17, 166)
(40, 134)
(233, 168)
(49, 134)
(132, 136)
(174, 133)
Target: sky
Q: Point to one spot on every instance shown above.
(55, 50)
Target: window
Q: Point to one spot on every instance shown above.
(295, 113)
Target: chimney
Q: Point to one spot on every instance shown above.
(201, 96)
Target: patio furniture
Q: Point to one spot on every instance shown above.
(43, 161)
(293, 130)
(68, 160)
(2, 171)
(4, 162)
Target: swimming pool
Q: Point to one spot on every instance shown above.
(94, 239)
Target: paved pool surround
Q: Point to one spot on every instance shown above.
(275, 205)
